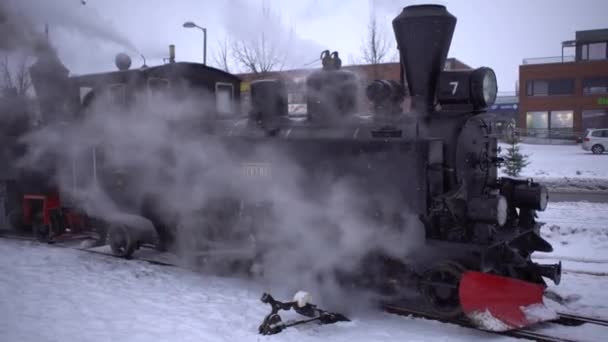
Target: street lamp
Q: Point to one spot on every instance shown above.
(190, 24)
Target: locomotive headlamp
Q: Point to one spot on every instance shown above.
(531, 196)
(477, 88)
(483, 87)
(490, 209)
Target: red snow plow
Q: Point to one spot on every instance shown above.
(500, 303)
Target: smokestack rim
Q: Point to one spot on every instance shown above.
(426, 6)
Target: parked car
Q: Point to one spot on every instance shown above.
(596, 140)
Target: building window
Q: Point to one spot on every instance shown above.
(596, 85)
(595, 118)
(594, 51)
(537, 120)
(537, 88)
(561, 122)
(223, 97)
(597, 51)
(554, 124)
(550, 87)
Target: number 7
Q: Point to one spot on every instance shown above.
(454, 87)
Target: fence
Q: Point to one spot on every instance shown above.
(549, 136)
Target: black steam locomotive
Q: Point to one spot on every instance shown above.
(438, 163)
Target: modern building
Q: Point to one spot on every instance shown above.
(366, 73)
(563, 96)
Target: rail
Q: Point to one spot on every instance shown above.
(517, 333)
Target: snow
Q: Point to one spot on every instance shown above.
(578, 232)
(487, 321)
(565, 167)
(302, 298)
(60, 294)
(559, 161)
(538, 313)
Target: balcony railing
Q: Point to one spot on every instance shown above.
(549, 60)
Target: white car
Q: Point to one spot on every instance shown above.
(596, 140)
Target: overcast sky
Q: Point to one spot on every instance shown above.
(498, 33)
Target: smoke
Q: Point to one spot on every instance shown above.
(312, 214)
(309, 212)
(24, 21)
(266, 22)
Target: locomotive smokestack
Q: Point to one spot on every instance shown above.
(424, 34)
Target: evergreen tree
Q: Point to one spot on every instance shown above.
(514, 160)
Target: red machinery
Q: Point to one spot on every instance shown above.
(49, 219)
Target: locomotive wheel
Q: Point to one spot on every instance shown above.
(121, 242)
(439, 286)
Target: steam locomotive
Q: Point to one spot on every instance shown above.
(438, 162)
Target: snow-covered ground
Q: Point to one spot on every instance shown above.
(565, 166)
(58, 294)
(578, 232)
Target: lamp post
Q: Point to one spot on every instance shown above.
(190, 24)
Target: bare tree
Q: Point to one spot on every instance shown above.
(375, 48)
(261, 53)
(17, 76)
(222, 55)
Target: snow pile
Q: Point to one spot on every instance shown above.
(302, 298)
(538, 313)
(485, 320)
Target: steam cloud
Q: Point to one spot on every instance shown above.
(313, 224)
(21, 21)
(316, 223)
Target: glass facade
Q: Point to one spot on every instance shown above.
(594, 51)
(597, 51)
(595, 85)
(550, 124)
(561, 123)
(562, 119)
(537, 124)
(595, 118)
(537, 120)
(550, 87)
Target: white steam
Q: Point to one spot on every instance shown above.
(317, 221)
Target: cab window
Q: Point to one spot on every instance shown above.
(224, 93)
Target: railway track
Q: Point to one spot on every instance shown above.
(73, 243)
(563, 319)
(572, 319)
(567, 319)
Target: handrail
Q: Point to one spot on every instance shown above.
(549, 60)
